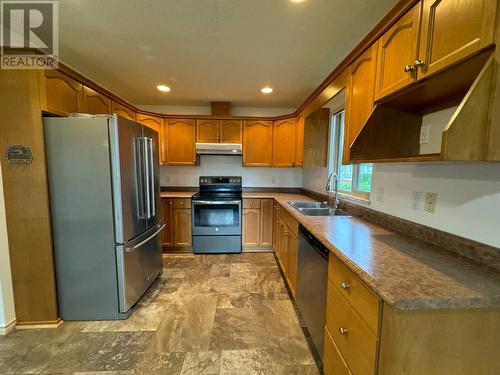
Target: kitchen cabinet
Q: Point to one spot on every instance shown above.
(179, 141)
(397, 50)
(359, 96)
(177, 219)
(286, 244)
(230, 131)
(258, 144)
(60, 94)
(207, 131)
(266, 223)
(151, 122)
(122, 110)
(168, 220)
(182, 227)
(218, 131)
(299, 140)
(257, 231)
(453, 30)
(284, 143)
(251, 227)
(95, 102)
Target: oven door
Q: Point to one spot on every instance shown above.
(216, 218)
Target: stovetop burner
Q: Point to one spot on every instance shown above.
(219, 187)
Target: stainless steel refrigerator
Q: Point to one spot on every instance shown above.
(105, 205)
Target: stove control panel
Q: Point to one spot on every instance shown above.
(220, 180)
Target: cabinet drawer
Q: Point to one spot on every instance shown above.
(362, 299)
(251, 203)
(333, 363)
(182, 203)
(356, 342)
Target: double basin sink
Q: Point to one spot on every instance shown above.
(314, 208)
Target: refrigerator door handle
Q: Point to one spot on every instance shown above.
(147, 173)
(151, 177)
(131, 249)
(139, 163)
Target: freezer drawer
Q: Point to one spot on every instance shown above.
(139, 263)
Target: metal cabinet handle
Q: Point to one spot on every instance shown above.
(409, 68)
(343, 331)
(188, 212)
(345, 286)
(419, 63)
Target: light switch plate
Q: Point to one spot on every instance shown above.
(424, 134)
(416, 200)
(380, 194)
(430, 202)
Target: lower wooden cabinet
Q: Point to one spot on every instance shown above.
(177, 235)
(286, 244)
(333, 363)
(168, 232)
(257, 229)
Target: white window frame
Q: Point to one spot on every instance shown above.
(335, 157)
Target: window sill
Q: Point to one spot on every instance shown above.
(356, 198)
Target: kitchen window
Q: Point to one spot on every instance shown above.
(353, 179)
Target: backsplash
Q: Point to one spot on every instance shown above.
(229, 165)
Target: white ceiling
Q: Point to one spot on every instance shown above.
(212, 50)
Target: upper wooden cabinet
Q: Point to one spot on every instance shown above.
(284, 143)
(453, 30)
(151, 122)
(230, 131)
(179, 141)
(299, 140)
(207, 131)
(60, 94)
(218, 131)
(123, 111)
(397, 49)
(94, 102)
(431, 37)
(258, 143)
(359, 96)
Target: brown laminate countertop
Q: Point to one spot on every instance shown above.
(407, 273)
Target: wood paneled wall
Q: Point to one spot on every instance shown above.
(26, 200)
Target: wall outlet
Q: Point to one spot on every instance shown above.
(380, 194)
(430, 202)
(416, 199)
(273, 180)
(425, 134)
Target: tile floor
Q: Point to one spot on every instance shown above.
(207, 314)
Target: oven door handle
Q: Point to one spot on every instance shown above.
(216, 202)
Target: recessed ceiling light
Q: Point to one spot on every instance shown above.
(297, 1)
(163, 88)
(266, 90)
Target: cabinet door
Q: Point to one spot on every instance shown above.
(284, 143)
(94, 102)
(168, 232)
(453, 30)
(293, 253)
(299, 140)
(182, 227)
(61, 95)
(230, 131)
(251, 227)
(283, 252)
(276, 225)
(397, 50)
(207, 131)
(359, 96)
(180, 148)
(258, 144)
(266, 223)
(151, 122)
(123, 111)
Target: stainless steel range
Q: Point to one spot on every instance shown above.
(217, 215)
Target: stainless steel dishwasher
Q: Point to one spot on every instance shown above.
(312, 281)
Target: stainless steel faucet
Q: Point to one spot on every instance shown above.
(336, 202)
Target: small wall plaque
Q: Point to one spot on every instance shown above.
(19, 154)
